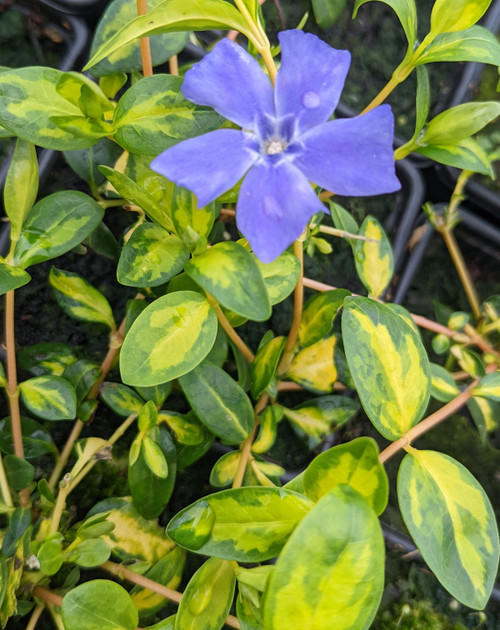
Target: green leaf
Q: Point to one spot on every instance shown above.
(37, 441)
(374, 260)
(208, 597)
(355, 464)
(452, 523)
(55, 225)
(46, 358)
(21, 186)
(138, 194)
(466, 155)
(219, 402)
(50, 556)
(153, 115)
(174, 15)
(326, 551)
(314, 367)
(29, 101)
(157, 393)
(280, 276)
(82, 375)
(469, 361)
(388, 364)
(229, 273)
(84, 93)
(151, 257)
(154, 458)
(99, 605)
(49, 397)
(128, 58)
(486, 415)
(79, 299)
(327, 12)
(460, 122)
(185, 427)
(148, 417)
(343, 220)
(12, 278)
(263, 367)
(121, 399)
(150, 491)
(406, 12)
(423, 101)
(474, 44)
(186, 214)
(443, 387)
(489, 387)
(229, 524)
(20, 473)
(224, 469)
(456, 15)
(266, 437)
(169, 338)
(317, 418)
(318, 315)
(91, 552)
(85, 162)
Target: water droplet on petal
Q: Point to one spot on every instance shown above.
(311, 100)
(272, 207)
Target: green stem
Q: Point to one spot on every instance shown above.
(35, 617)
(463, 272)
(64, 490)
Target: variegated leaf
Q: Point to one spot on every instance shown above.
(452, 522)
(280, 276)
(49, 397)
(314, 367)
(374, 258)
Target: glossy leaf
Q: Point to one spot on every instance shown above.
(388, 364)
(343, 220)
(266, 436)
(374, 259)
(406, 11)
(151, 257)
(12, 277)
(263, 367)
(49, 397)
(153, 115)
(176, 15)
(121, 399)
(314, 367)
(460, 122)
(229, 273)
(82, 374)
(230, 524)
(37, 441)
(318, 315)
(91, 552)
(208, 597)
(29, 116)
(280, 276)
(169, 338)
(486, 415)
(457, 15)
(55, 225)
(466, 155)
(128, 58)
(355, 464)
(317, 418)
(452, 522)
(20, 473)
(219, 402)
(443, 387)
(329, 569)
(186, 214)
(50, 556)
(99, 605)
(79, 299)
(21, 186)
(186, 427)
(474, 44)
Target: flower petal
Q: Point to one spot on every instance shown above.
(208, 165)
(232, 82)
(276, 201)
(351, 156)
(310, 79)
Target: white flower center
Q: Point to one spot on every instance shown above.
(275, 146)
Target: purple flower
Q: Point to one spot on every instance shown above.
(286, 140)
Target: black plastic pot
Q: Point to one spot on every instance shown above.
(76, 40)
(89, 10)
